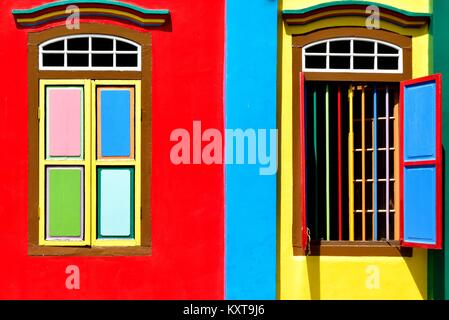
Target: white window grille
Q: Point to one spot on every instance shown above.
(353, 55)
(90, 52)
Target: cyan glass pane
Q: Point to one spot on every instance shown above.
(115, 202)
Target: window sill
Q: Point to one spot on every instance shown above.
(36, 250)
(356, 249)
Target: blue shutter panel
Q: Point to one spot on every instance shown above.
(421, 163)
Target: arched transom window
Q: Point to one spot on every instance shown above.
(355, 55)
(89, 52)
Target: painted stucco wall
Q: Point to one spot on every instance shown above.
(341, 277)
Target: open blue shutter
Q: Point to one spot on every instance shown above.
(421, 163)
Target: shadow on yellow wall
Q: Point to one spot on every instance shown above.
(364, 278)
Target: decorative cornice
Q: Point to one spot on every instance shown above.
(103, 9)
(337, 9)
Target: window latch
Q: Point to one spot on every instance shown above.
(308, 242)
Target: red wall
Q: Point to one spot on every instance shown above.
(187, 201)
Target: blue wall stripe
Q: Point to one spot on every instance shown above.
(250, 102)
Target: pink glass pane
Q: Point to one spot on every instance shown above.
(64, 122)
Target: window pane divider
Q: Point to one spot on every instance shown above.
(371, 211)
(115, 163)
(114, 58)
(372, 180)
(352, 55)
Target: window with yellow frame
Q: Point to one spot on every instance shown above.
(89, 162)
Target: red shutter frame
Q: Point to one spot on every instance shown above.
(303, 189)
(437, 78)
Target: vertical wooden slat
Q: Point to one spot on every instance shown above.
(328, 209)
(315, 150)
(340, 193)
(363, 165)
(351, 164)
(375, 208)
(387, 162)
(396, 168)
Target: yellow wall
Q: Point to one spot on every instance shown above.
(341, 277)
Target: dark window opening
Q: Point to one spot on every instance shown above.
(125, 46)
(341, 46)
(338, 62)
(77, 60)
(126, 60)
(102, 44)
(81, 44)
(384, 49)
(366, 63)
(53, 59)
(102, 60)
(318, 48)
(316, 62)
(374, 209)
(363, 46)
(58, 45)
(387, 63)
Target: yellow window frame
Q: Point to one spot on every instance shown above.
(90, 163)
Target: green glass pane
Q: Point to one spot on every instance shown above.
(64, 202)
